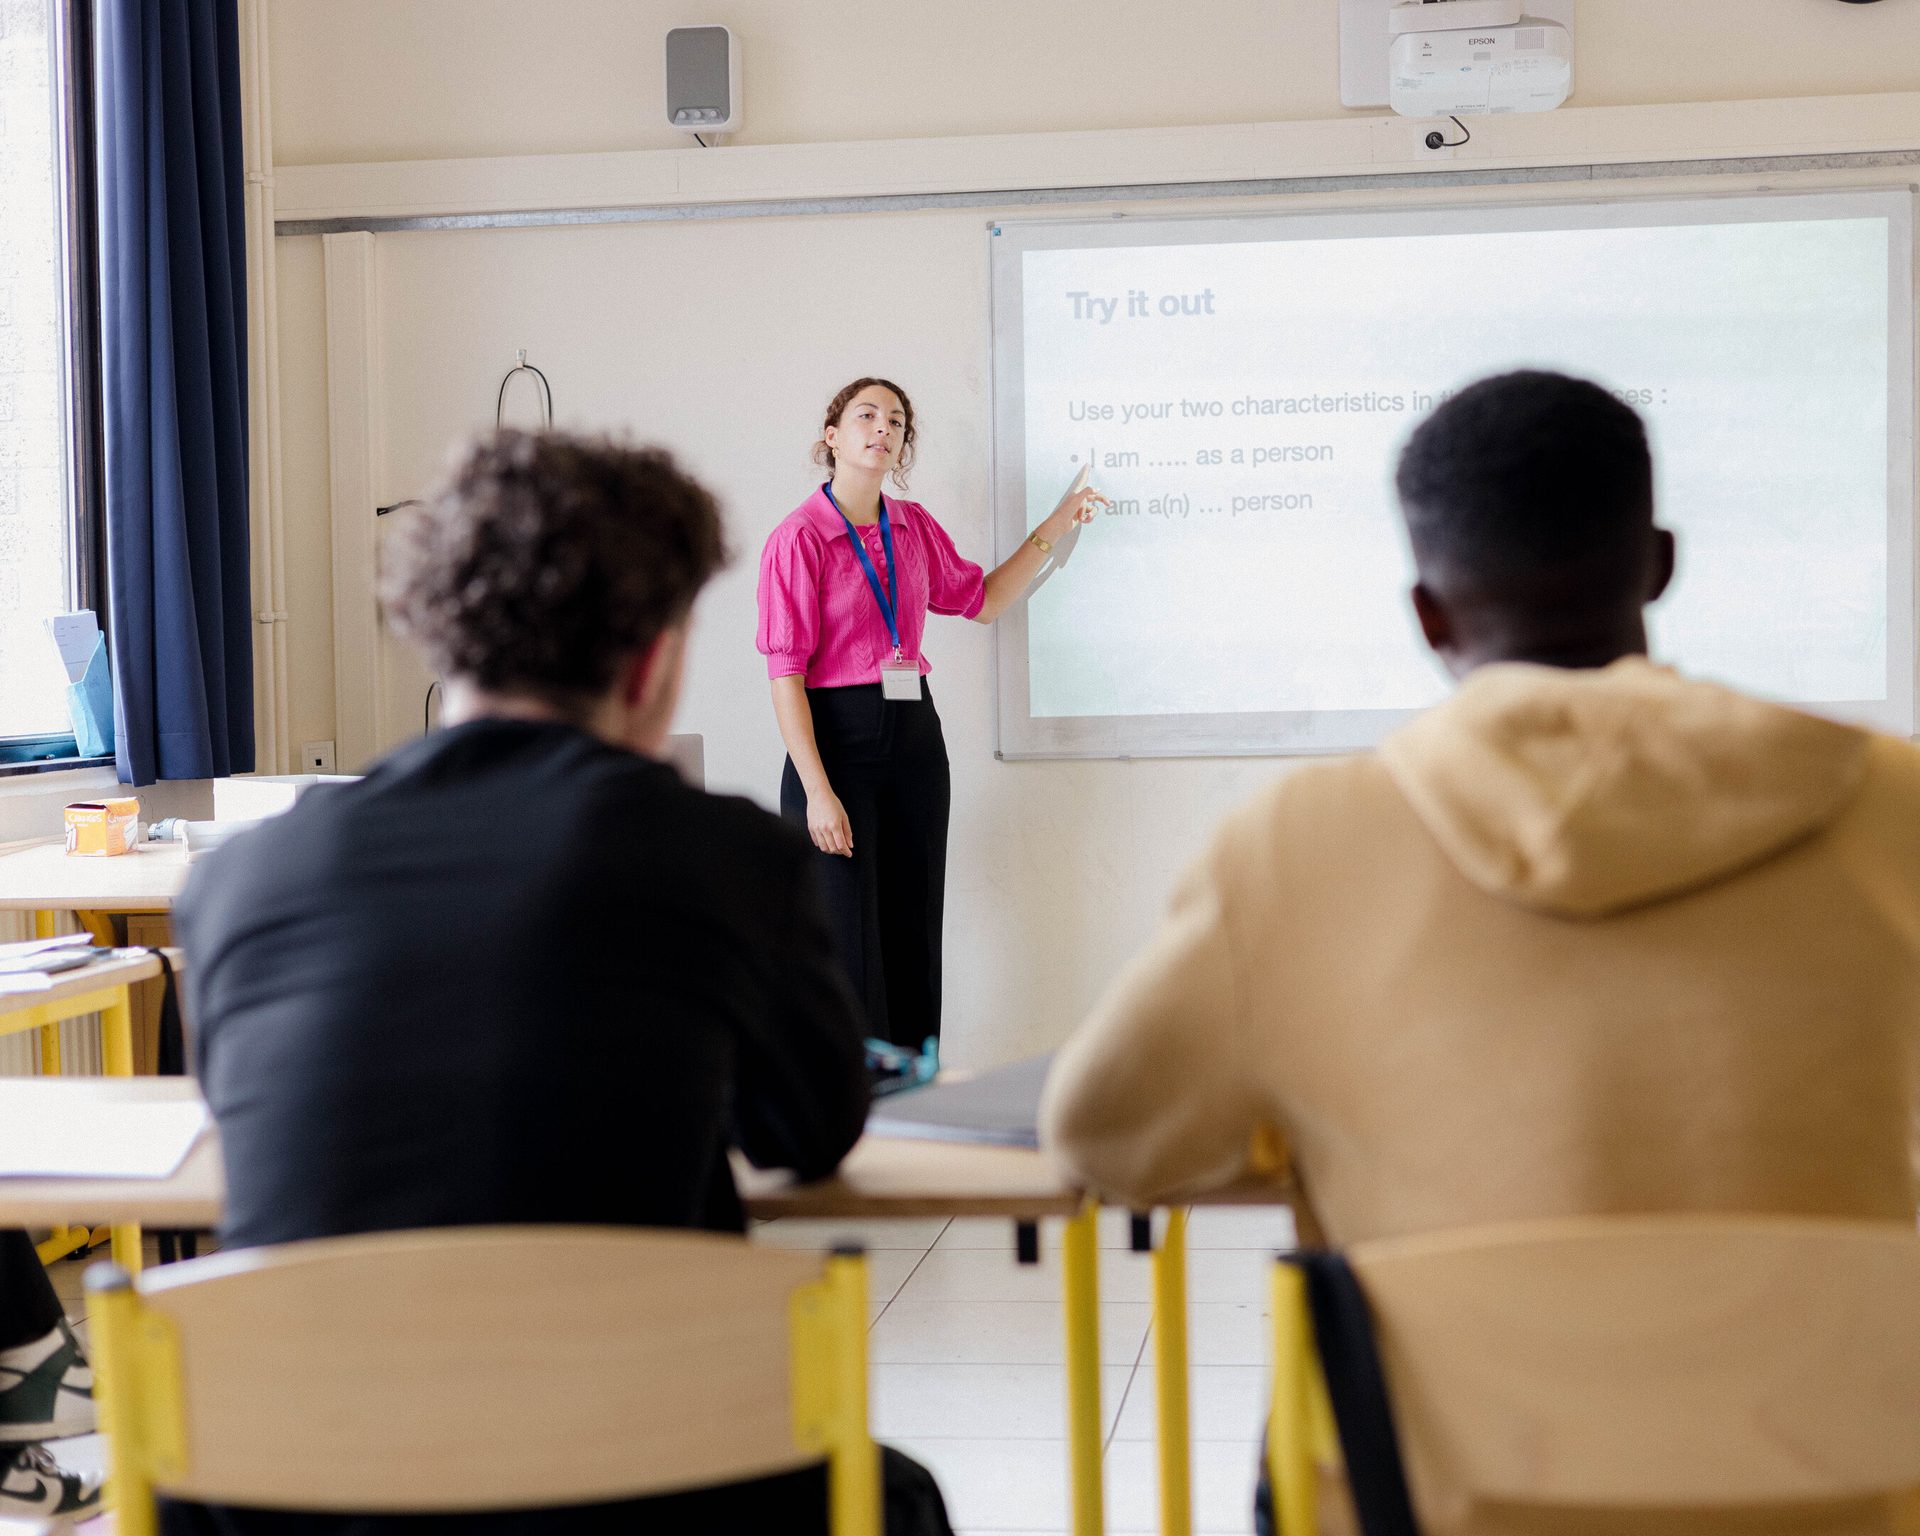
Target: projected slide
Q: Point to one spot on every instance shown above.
(1241, 388)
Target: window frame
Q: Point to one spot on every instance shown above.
(75, 139)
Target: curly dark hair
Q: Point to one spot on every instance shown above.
(546, 559)
(837, 407)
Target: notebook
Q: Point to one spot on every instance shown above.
(106, 1141)
(998, 1108)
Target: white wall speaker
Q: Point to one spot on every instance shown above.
(703, 80)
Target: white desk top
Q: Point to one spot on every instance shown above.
(42, 877)
(94, 977)
(882, 1176)
(193, 1196)
(892, 1176)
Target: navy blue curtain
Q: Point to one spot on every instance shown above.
(173, 333)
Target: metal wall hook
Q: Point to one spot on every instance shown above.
(521, 365)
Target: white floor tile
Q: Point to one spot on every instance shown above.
(1224, 1402)
(997, 1485)
(1224, 1477)
(1222, 1333)
(997, 1333)
(990, 1232)
(796, 1232)
(1116, 1229)
(1012, 1402)
(994, 1274)
(1224, 1226)
(1132, 1502)
(887, 1271)
(1239, 1275)
(69, 1278)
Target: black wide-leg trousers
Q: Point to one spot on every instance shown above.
(886, 905)
(29, 1309)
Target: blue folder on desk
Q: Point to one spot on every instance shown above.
(997, 1108)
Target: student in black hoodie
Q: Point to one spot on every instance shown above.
(521, 972)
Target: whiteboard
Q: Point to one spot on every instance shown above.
(1241, 387)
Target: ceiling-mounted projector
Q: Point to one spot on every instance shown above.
(1453, 58)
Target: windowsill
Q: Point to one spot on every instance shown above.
(30, 804)
(54, 765)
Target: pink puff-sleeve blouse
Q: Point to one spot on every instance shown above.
(818, 617)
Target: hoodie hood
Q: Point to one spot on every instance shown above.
(1587, 793)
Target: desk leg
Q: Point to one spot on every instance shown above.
(116, 1046)
(116, 1034)
(127, 1246)
(45, 927)
(1170, 1377)
(1080, 1264)
(64, 1240)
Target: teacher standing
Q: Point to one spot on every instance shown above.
(846, 584)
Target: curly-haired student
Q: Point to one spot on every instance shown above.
(522, 972)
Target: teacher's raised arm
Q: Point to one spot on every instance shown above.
(1008, 581)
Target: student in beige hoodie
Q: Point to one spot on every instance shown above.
(1589, 937)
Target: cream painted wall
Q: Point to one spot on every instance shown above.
(722, 339)
(428, 79)
(303, 474)
(1059, 868)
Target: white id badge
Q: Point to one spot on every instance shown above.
(900, 682)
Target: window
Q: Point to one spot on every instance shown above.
(49, 368)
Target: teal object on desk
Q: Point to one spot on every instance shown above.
(90, 705)
(894, 1068)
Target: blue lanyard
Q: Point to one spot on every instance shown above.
(888, 597)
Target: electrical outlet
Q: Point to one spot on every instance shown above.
(316, 757)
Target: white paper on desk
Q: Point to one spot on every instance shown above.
(74, 637)
(105, 1141)
(41, 946)
(66, 959)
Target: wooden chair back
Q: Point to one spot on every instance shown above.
(483, 1369)
(1635, 1363)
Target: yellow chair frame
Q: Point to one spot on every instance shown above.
(1301, 1438)
(374, 1373)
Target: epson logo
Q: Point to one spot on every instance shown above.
(1482, 42)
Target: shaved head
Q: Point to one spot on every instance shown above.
(1528, 500)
